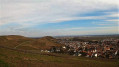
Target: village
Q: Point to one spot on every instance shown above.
(106, 48)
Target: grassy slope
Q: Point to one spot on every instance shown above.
(3, 64)
(19, 59)
(20, 42)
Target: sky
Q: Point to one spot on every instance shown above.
(35, 18)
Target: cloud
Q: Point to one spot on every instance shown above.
(114, 20)
(27, 13)
(106, 23)
(45, 11)
(66, 31)
(84, 31)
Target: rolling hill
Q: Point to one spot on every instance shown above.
(20, 51)
(21, 42)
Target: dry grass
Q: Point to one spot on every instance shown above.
(12, 58)
(20, 59)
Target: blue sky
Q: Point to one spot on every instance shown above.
(59, 17)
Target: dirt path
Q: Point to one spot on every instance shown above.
(21, 44)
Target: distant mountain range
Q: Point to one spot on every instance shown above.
(88, 35)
